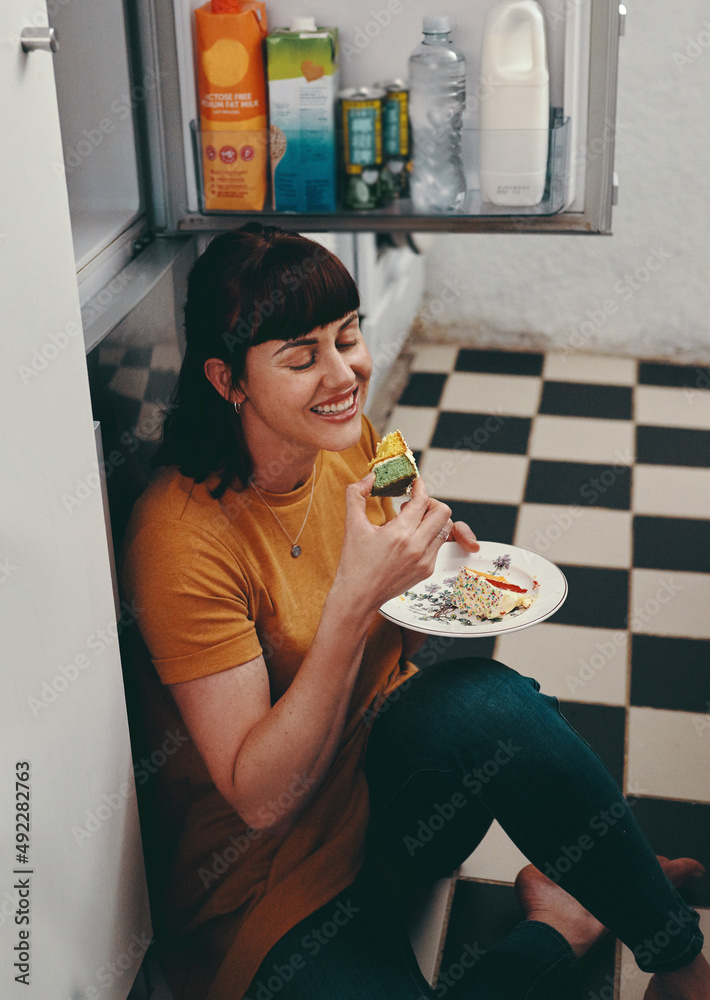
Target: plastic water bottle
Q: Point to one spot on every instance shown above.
(437, 98)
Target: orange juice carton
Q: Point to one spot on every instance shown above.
(302, 69)
(232, 98)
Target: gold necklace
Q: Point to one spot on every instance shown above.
(295, 549)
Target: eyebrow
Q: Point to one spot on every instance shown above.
(310, 341)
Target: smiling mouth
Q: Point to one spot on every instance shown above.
(342, 406)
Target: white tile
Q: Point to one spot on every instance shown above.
(473, 392)
(434, 358)
(149, 426)
(668, 754)
(665, 407)
(474, 476)
(634, 982)
(573, 366)
(166, 357)
(582, 439)
(672, 491)
(427, 924)
(496, 858)
(131, 382)
(416, 423)
(570, 662)
(665, 602)
(577, 535)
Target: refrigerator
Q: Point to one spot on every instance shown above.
(101, 223)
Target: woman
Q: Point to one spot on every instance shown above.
(258, 561)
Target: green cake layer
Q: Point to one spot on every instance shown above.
(393, 476)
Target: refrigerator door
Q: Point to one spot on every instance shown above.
(74, 917)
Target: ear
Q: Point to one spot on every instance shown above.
(219, 374)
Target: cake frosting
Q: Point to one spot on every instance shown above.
(394, 466)
(487, 596)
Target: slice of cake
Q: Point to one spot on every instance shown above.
(487, 596)
(394, 467)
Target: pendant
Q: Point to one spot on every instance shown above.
(296, 551)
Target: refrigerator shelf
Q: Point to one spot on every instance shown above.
(398, 214)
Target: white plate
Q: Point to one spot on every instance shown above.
(416, 608)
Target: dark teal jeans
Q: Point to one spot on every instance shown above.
(458, 745)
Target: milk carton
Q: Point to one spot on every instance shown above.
(302, 71)
(232, 95)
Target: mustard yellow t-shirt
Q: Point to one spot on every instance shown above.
(214, 585)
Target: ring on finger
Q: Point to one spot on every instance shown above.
(443, 534)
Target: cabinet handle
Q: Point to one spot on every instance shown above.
(622, 19)
(44, 39)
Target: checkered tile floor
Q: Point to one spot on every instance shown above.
(602, 465)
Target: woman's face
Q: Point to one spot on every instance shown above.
(308, 392)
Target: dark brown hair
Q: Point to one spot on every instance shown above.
(251, 285)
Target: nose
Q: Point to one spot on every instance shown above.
(338, 371)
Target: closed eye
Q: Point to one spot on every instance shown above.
(303, 368)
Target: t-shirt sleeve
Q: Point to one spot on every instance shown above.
(191, 601)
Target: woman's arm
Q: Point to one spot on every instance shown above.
(266, 761)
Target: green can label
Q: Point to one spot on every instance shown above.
(363, 135)
(396, 124)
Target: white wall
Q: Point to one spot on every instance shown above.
(645, 291)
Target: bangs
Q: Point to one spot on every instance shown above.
(293, 287)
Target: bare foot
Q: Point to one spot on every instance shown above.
(689, 983)
(542, 899)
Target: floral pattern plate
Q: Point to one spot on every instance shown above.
(427, 606)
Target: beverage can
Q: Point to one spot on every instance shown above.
(360, 123)
(396, 136)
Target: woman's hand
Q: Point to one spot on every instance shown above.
(462, 534)
(378, 562)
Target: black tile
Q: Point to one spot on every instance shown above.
(160, 387)
(602, 726)
(579, 483)
(125, 410)
(481, 916)
(681, 376)
(679, 830)
(672, 543)
(499, 362)
(671, 673)
(579, 399)
(672, 446)
(137, 357)
(439, 648)
(105, 373)
(597, 598)
(423, 389)
(482, 432)
(490, 522)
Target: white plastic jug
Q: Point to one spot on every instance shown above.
(515, 104)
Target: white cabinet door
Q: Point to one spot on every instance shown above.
(73, 908)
